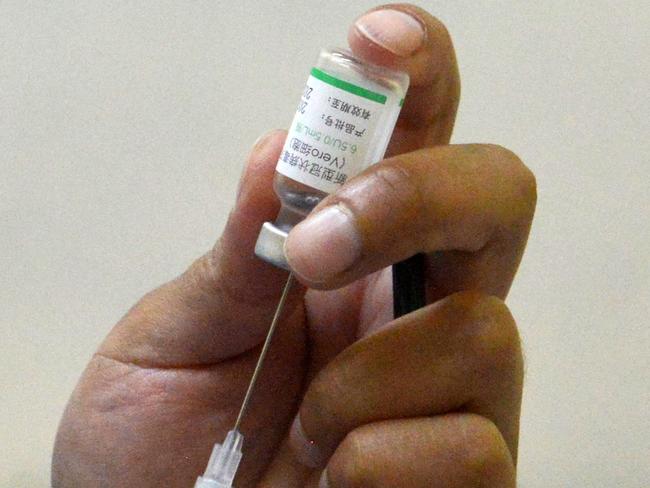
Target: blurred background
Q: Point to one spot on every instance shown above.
(124, 125)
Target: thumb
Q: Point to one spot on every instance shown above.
(221, 306)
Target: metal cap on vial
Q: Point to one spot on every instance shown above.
(270, 245)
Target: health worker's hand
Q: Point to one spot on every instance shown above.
(348, 397)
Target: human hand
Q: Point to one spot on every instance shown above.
(430, 399)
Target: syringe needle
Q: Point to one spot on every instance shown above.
(225, 458)
(265, 348)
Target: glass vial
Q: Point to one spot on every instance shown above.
(343, 124)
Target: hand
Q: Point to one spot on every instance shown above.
(430, 399)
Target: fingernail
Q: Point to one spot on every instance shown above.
(323, 482)
(400, 33)
(305, 450)
(262, 137)
(323, 245)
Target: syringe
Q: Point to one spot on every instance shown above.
(225, 457)
(343, 124)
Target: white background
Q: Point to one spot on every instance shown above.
(123, 127)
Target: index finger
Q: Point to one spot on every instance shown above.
(405, 37)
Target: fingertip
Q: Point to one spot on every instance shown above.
(270, 139)
(324, 245)
(387, 32)
(264, 153)
(256, 181)
(404, 37)
(255, 202)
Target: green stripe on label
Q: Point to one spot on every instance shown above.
(401, 102)
(348, 87)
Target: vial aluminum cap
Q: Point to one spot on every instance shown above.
(270, 245)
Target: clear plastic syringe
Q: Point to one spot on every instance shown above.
(343, 124)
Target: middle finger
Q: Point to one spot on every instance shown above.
(475, 202)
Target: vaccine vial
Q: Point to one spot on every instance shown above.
(342, 125)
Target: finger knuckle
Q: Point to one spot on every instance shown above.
(491, 330)
(485, 453)
(387, 196)
(396, 181)
(524, 183)
(500, 341)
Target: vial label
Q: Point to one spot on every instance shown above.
(331, 134)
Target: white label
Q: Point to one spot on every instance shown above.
(330, 136)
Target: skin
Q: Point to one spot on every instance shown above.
(430, 399)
